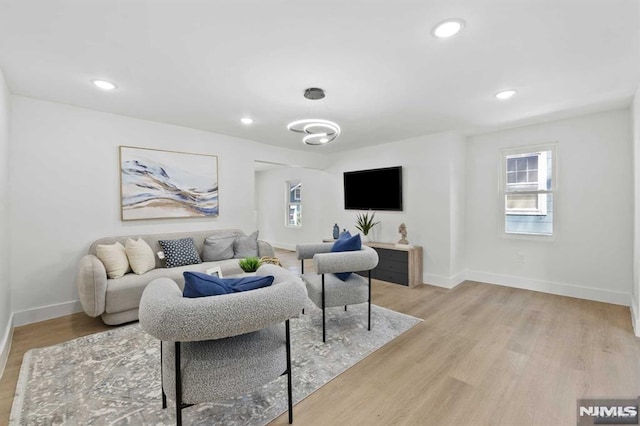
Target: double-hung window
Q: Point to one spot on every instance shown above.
(528, 188)
(294, 203)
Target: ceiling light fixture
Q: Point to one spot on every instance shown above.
(317, 131)
(505, 94)
(448, 28)
(104, 85)
(246, 120)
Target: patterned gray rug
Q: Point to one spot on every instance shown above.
(113, 377)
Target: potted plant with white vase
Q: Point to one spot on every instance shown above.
(249, 265)
(364, 224)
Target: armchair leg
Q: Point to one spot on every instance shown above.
(178, 386)
(289, 384)
(369, 325)
(345, 308)
(324, 334)
(164, 395)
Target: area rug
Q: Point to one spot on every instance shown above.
(113, 377)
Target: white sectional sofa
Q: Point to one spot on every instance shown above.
(117, 300)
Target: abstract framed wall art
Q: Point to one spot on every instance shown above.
(158, 184)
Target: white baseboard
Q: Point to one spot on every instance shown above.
(44, 313)
(446, 282)
(284, 246)
(5, 345)
(635, 319)
(561, 289)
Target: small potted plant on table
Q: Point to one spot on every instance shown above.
(364, 224)
(249, 264)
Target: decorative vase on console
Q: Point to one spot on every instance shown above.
(336, 231)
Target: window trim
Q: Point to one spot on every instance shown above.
(542, 179)
(288, 203)
(553, 190)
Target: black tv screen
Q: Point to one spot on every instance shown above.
(376, 189)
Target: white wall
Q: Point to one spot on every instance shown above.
(591, 255)
(458, 196)
(433, 197)
(65, 192)
(5, 288)
(635, 303)
(635, 300)
(271, 195)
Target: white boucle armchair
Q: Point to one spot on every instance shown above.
(325, 289)
(216, 347)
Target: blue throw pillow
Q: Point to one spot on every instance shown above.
(346, 243)
(344, 234)
(249, 283)
(197, 284)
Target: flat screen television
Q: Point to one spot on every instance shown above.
(375, 189)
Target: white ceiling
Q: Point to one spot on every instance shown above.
(205, 64)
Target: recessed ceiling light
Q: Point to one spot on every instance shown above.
(448, 28)
(104, 85)
(246, 120)
(506, 94)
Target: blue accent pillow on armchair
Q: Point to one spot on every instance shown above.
(344, 235)
(198, 284)
(248, 283)
(346, 243)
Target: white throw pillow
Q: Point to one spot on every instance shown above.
(140, 255)
(114, 259)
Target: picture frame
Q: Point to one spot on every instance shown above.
(161, 184)
(215, 271)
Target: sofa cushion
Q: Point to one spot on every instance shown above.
(140, 255)
(197, 284)
(246, 246)
(218, 248)
(180, 252)
(346, 243)
(124, 293)
(152, 240)
(114, 258)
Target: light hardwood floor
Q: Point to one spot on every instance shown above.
(484, 355)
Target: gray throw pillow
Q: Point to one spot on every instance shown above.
(218, 248)
(246, 246)
(180, 252)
